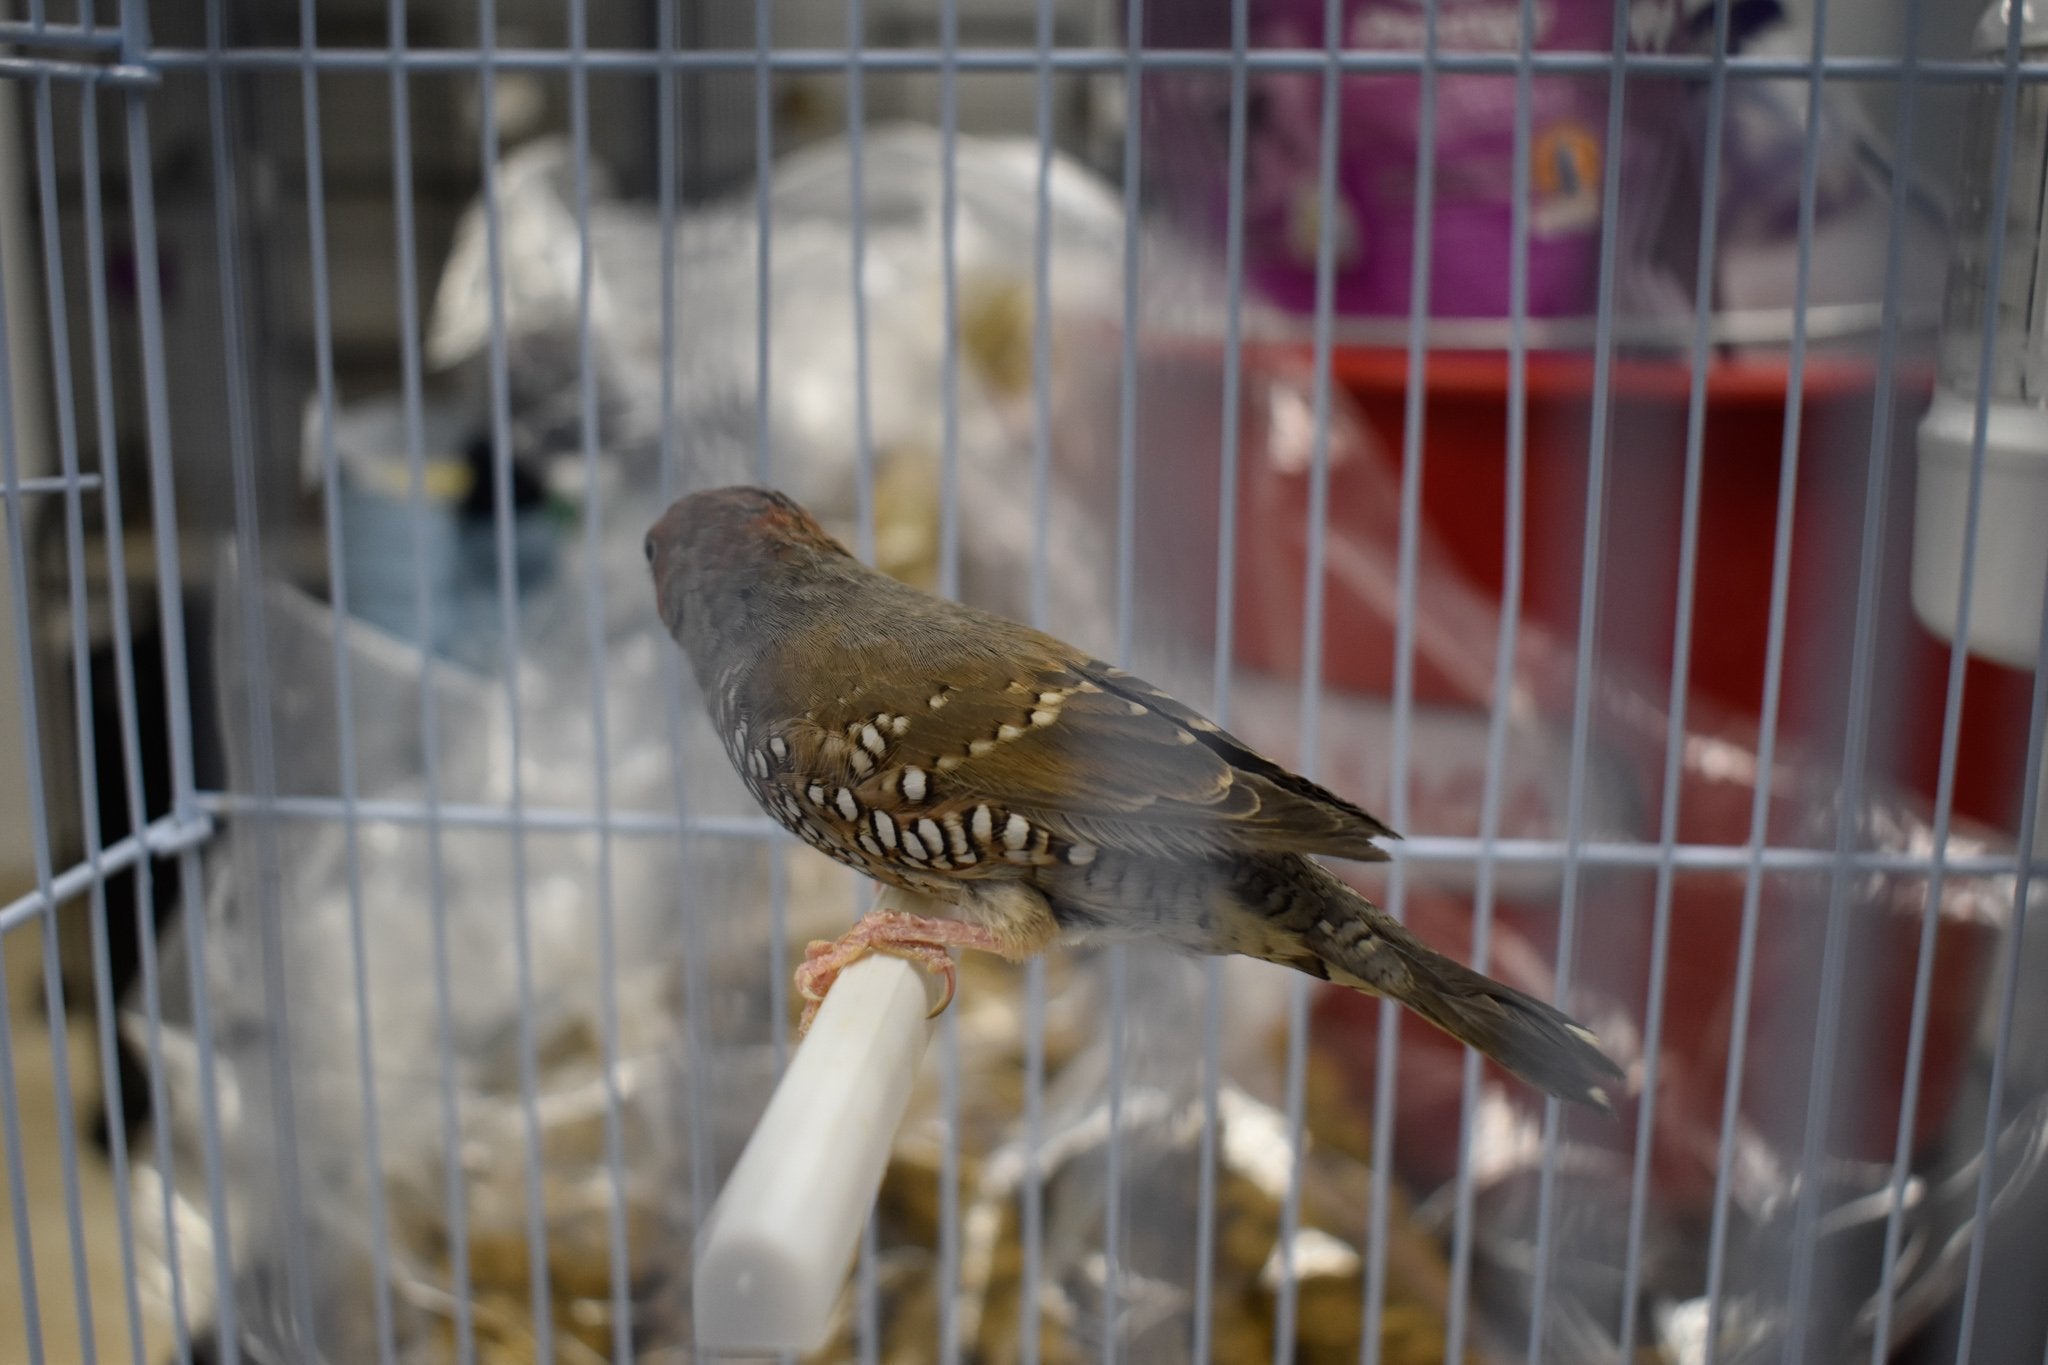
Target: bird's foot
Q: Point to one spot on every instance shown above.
(917, 940)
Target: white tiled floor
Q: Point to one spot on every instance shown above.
(56, 1294)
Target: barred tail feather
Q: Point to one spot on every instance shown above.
(1542, 1045)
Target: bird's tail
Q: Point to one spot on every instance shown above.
(1545, 1047)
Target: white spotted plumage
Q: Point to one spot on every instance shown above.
(1038, 791)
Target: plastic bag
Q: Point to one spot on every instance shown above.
(1878, 914)
(322, 938)
(813, 439)
(1379, 118)
(1663, 152)
(575, 711)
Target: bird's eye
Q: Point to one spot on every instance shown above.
(647, 548)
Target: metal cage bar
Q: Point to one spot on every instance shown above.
(344, 691)
(1514, 532)
(440, 947)
(171, 836)
(177, 692)
(464, 60)
(1681, 669)
(120, 64)
(951, 1080)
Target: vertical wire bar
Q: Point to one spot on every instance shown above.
(1032, 1194)
(868, 1288)
(1295, 1091)
(17, 1174)
(1112, 1248)
(949, 586)
(1952, 714)
(696, 1091)
(764, 460)
(267, 895)
(128, 706)
(177, 687)
(1041, 322)
(1834, 956)
(227, 1305)
(868, 1283)
(1203, 1343)
(10, 1109)
(857, 233)
(323, 366)
(67, 447)
(1491, 793)
(949, 281)
(1681, 672)
(600, 729)
(1386, 1063)
(1127, 394)
(104, 1005)
(541, 1300)
(764, 254)
(1767, 740)
(2032, 776)
(410, 369)
(1126, 587)
(1592, 567)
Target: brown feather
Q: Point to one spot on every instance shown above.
(1114, 760)
(1038, 791)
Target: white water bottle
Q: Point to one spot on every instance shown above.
(2009, 552)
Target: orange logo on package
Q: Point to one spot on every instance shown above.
(1565, 175)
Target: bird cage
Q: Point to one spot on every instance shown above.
(1602, 439)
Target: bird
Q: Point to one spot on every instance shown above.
(1038, 794)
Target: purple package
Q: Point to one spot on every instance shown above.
(1187, 118)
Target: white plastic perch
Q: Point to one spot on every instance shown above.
(782, 1234)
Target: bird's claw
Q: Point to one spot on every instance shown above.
(825, 959)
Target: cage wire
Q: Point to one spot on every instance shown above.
(1510, 415)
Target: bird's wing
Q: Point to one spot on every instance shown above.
(1076, 746)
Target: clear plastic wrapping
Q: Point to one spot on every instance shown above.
(1875, 910)
(1474, 143)
(692, 918)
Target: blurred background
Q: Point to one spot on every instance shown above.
(1573, 468)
